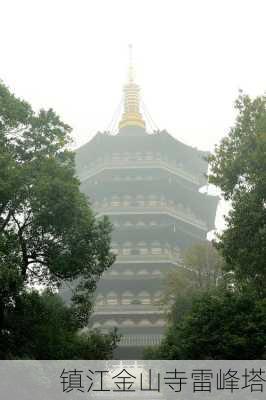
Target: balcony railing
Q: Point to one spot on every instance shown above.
(140, 340)
(147, 258)
(138, 164)
(175, 211)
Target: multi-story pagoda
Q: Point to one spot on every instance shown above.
(148, 185)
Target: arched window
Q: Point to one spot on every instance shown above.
(159, 322)
(142, 272)
(127, 297)
(153, 201)
(115, 201)
(144, 297)
(112, 298)
(148, 156)
(110, 323)
(127, 201)
(156, 248)
(156, 272)
(140, 201)
(153, 223)
(128, 272)
(96, 325)
(115, 156)
(128, 322)
(100, 300)
(144, 322)
(157, 296)
(128, 223)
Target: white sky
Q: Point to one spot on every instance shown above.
(191, 58)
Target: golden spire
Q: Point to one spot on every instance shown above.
(131, 115)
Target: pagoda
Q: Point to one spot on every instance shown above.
(148, 185)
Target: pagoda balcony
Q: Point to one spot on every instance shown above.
(147, 259)
(132, 309)
(168, 166)
(177, 212)
(140, 340)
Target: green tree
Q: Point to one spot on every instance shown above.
(238, 167)
(225, 324)
(41, 326)
(48, 233)
(199, 269)
(221, 325)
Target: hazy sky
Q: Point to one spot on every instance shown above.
(191, 58)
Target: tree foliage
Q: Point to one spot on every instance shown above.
(199, 269)
(42, 327)
(238, 167)
(48, 232)
(224, 324)
(220, 325)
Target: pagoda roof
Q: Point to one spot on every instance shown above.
(134, 139)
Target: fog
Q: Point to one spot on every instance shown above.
(190, 57)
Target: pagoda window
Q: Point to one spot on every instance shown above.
(128, 322)
(166, 250)
(157, 296)
(128, 272)
(128, 223)
(115, 202)
(100, 300)
(156, 250)
(148, 156)
(140, 224)
(153, 201)
(116, 157)
(112, 298)
(143, 272)
(153, 223)
(144, 322)
(140, 201)
(114, 272)
(96, 325)
(127, 201)
(143, 251)
(110, 323)
(127, 297)
(126, 251)
(156, 272)
(159, 322)
(144, 297)
(126, 156)
(105, 202)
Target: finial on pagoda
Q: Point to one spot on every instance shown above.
(131, 115)
(131, 68)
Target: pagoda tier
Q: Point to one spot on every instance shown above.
(151, 192)
(148, 185)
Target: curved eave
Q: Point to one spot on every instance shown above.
(154, 212)
(163, 166)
